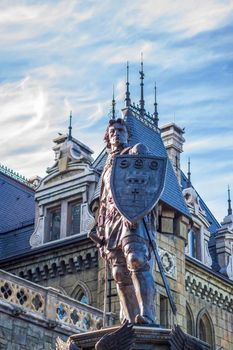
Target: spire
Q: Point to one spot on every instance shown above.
(113, 104)
(229, 201)
(70, 127)
(127, 94)
(142, 75)
(156, 115)
(189, 175)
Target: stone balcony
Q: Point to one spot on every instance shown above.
(47, 307)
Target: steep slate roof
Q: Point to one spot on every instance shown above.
(214, 224)
(140, 132)
(17, 203)
(17, 211)
(16, 242)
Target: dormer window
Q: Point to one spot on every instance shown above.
(54, 224)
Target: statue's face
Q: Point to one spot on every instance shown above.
(118, 135)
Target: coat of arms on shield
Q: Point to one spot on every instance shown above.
(137, 183)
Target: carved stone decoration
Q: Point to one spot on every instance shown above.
(87, 220)
(192, 200)
(36, 238)
(61, 345)
(181, 341)
(122, 339)
(207, 257)
(168, 261)
(229, 268)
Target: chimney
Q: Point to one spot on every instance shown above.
(172, 136)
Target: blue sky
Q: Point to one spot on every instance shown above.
(58, 56)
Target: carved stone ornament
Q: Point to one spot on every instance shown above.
(87, 220)
(168, 261)
(36, 238)
(192, 199)
(207, 257)
(229, 268)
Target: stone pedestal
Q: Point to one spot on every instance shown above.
(145, 338)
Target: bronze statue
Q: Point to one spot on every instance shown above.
(125, 242)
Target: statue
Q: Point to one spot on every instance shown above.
(125, 243)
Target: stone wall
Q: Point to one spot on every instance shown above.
(210, 295)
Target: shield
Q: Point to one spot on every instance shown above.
(137, 183)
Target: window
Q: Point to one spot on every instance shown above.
(163, 311)
(205, 329)
(189, 321)
(194, 244)
(54, 226)
(74, 218)
(82, 298)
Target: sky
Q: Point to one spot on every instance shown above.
(58, 56)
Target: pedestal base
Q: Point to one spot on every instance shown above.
(145, 338)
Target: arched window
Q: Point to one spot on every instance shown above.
(189, 320)
(81, 293)
(82, 297)
(205, 328)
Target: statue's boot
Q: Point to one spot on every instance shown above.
(128, 301)
(145, 292)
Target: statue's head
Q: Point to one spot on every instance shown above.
(117, 134)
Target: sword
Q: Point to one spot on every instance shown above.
(161, 269)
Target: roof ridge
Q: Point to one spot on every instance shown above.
(15, 175)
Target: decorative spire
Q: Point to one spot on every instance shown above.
(229, 201)
(142, 75)
(113, 104)
(70, 127)
(156, 115)
(127, 94)
(189, 175)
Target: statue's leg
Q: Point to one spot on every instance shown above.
(125, 287)
(137, 262)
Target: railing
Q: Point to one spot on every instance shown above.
(48, 304)
(14, 175)
(147, 118)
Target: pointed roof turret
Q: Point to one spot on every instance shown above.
(156, 115)
(142, 75)
(127, 94)
(70, 127)
(229, 201)
(113, 104)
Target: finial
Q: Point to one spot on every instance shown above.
(142, 75)
(156, 115)
(70, 127)
(189, 174)
(127, 94)
(113, 104)
(229, 201)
